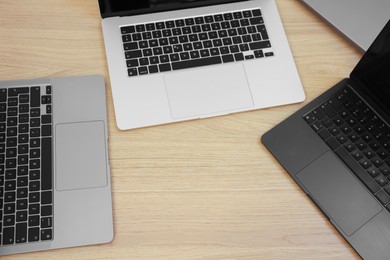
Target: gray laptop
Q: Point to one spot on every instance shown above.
(55, 186)
(171, 61)
(337, 149)
(359, 20)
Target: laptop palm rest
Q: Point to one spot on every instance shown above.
(80, 156)
(209, 90)
(338, 193)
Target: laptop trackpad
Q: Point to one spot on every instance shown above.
(208, 90)
(80, 156)
(339, 193)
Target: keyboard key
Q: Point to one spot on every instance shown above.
(130, 46)
(256, 20)
(8, 236)
(165, 67)
(21, 233)
(142, 70)
(132, 72)
(127, 29)
(196, 63)
(46, 169)
(383, 197)
(46, 234)
(259, 45)
(33, 234)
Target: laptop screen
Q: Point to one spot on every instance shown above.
(109, 8)
(373, 70)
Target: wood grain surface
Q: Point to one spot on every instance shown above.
(203, 189)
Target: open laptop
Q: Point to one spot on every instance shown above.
(55, 186)
(337, 149)
(359, 20)
(173, 60)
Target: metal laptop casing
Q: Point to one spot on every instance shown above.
(81, 216)
(142, 100)
(295, 146)
(359, 20)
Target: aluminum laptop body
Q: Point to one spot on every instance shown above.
(161, 97)
(79, 186)
(359, 20)
(337, 149)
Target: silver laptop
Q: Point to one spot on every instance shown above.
(173, 60)
(55, 186)
(359, 20)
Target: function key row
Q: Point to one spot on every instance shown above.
(191, 21)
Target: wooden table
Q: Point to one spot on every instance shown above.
(204, 189)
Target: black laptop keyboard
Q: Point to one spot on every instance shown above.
(26, 196)
(359, 137)
(196, 41)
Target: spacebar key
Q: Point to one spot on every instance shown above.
(46, 165)
(196, 63)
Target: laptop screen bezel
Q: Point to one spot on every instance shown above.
(104, 13)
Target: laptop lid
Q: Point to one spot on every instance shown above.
(110, 8)
(372, 73)
(359, 20)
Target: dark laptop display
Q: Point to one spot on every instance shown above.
(337, 149)
(373, 71)
(109, 8)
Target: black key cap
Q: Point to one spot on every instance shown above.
(46, 197)
(373, 172)
(127, 29)
(46, 119)
(383, 197)
(256, 20)
(256, 12)
(8, 236)
(13, 92)
(132, 63)
(21, 232)
(165, 67)
(132, 72)
(46, 167)
(153, 69)
(134, 54)
(33, 221)
(227, 58)
(46, 222)
(238, 56)
(130, 46)
(3, 95)
(196, 63)
(365, 163)
(48, 90)
(46, 210)
(333, 143)
(259, 45)
(46, 234)
(358, 170)
(33, 234)
(382, 180)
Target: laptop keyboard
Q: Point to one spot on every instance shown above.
(196, 41)
(26, 196)
(359, 137)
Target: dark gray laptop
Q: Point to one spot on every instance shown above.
(337, 149)
(55, 186)
(359, 20)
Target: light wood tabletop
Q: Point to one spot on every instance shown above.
(202, 189)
